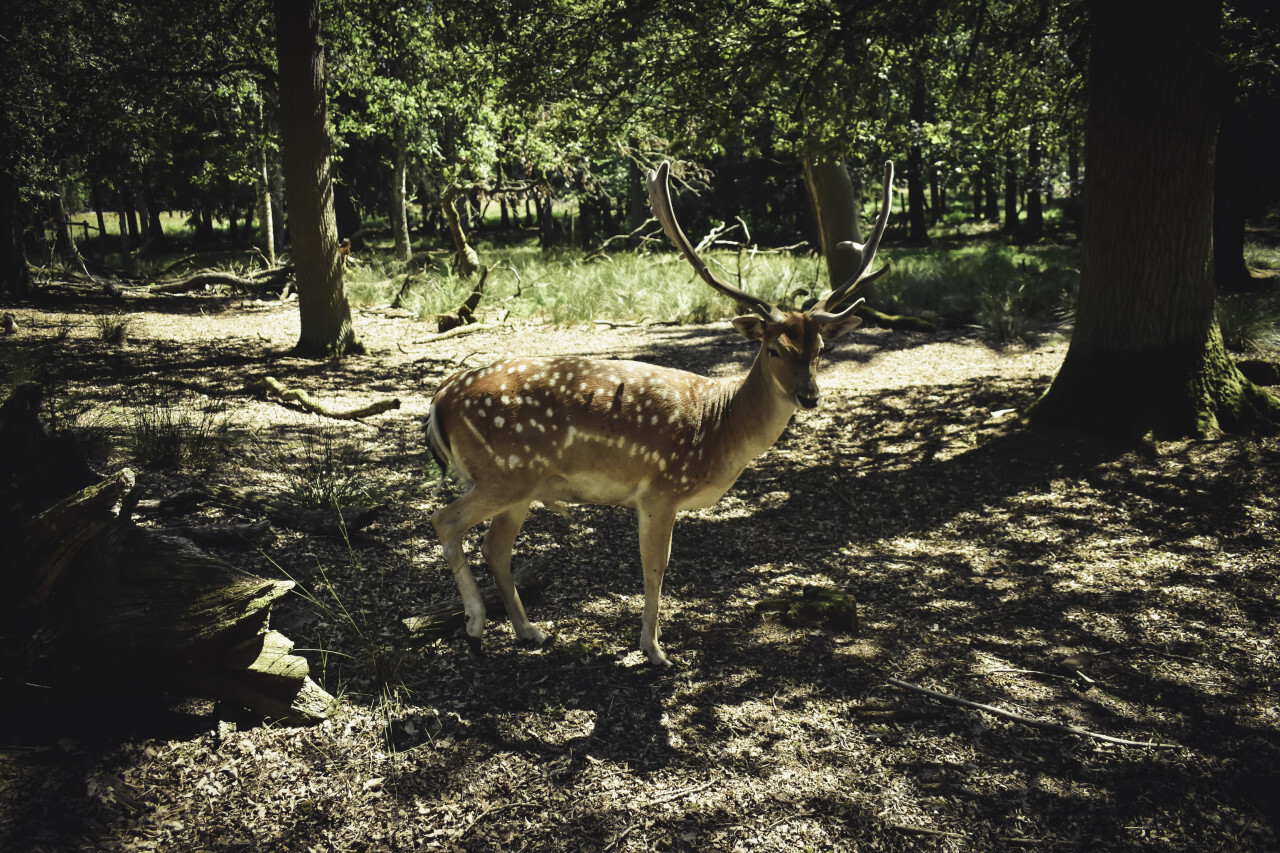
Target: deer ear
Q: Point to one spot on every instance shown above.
(751, 327)
(831, 331)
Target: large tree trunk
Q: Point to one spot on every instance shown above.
(1146, 354)
(323, 311)
(835, 209)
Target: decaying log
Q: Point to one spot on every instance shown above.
(272, 385)
(448, 616)
(268, 279)
(91, 600)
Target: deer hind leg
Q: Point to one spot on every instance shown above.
(655, 553)
(452, 523)
(497, 553)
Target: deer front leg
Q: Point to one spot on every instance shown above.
(655, 553)
(497, 553)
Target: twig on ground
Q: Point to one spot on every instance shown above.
(1030, 721)
(681, 794)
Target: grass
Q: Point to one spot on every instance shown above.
(1250, 322)
(326, 472)
(996, 287)
(182, 436)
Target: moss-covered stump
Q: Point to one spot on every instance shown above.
(820, 607)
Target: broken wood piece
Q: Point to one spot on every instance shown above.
(1030, 721)
(307, 402)
(448, 616)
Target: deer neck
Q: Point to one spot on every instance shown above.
(752, 412)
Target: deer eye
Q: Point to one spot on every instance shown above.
(774, 353)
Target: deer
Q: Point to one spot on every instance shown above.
(566, 430)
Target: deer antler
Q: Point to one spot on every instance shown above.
(660, 201)
(825, 311)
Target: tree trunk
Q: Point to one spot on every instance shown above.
(323, 312)
(1233, 168)
(1146, 355)
(1033, 228)
(917, 226)
(834, 201)
(262, 188)
(399, 209)
(15, 275)
(992, 187)
(465, 259)
(1011, 195)
(126, 246)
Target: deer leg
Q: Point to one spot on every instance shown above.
(452, 523)
(497, 553)
(655, 553)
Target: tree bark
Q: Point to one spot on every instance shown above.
(399, 209)
(323, 312)
(1033, 228)
(1147, 355)
(835, 208)
(15, 275)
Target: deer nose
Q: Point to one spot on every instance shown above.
(807, 401)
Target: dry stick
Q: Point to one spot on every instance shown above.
(1009, 715)
(681, 794)
(303, 399)
(457, 332)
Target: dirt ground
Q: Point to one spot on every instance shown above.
(1129, 592)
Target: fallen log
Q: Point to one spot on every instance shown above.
(91, 600)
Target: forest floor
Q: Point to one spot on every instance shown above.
(1131, 592)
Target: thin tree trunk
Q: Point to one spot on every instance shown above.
(323, 311)
(1146, 354)
(399, 209)
(126, 247)
(262, 189)
(1011, 195)
(1034, 226)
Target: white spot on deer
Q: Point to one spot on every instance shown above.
(498, 421)
(551, 413)
(522, 367)
(519, 427)
(569, 436)
(662, 464)
(653, 420)
(513, 461)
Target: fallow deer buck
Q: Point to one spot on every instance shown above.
(623, 433)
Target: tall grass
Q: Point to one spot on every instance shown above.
(998, 288)
(563, 289)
